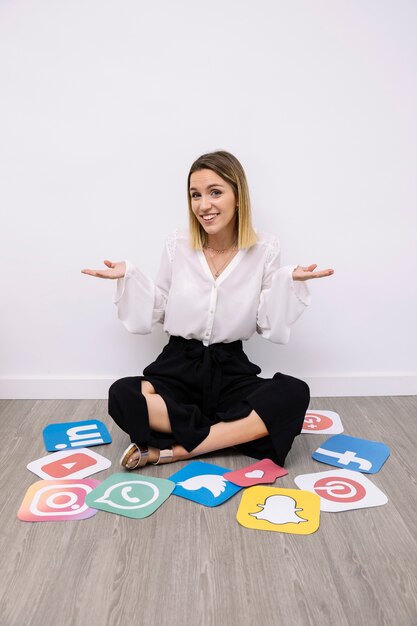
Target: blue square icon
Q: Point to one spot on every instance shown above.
(361, 455)
(75, 435)
(203, 483)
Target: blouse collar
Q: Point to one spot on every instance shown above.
(233, 263)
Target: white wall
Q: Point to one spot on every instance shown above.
(104, 105)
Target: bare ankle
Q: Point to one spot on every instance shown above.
(181, 454)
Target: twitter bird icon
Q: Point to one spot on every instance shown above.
(204, 483)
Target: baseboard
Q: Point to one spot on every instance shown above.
(343, 386)
(97, 388)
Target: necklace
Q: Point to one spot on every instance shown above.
(218, 270)
(214, 251)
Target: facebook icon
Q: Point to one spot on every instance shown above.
(361, 455)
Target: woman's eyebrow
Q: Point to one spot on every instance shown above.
(208, 186)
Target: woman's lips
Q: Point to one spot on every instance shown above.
(209, 217)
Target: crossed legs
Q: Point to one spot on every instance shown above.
(222, 435)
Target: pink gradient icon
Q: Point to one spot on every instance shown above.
(57, 501)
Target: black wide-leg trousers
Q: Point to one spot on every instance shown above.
(203, 385)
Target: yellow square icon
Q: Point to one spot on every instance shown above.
(280, 510)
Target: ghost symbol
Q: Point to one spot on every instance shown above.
(279, 510)
(213, 482)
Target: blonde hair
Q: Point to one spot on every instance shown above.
(229, 168)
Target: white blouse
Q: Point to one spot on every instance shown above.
(253, 293)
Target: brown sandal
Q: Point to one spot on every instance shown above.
(146, 455)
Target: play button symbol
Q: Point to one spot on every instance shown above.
(73, 463)
(69, 464)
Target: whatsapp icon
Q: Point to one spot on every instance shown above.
(131, 496)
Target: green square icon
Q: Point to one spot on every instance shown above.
(130, 495)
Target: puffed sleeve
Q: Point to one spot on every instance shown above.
(282, 299)
(139, 300)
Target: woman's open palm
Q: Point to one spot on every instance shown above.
(117, 270)
(307, 273)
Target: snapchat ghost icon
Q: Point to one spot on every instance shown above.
(279, 510)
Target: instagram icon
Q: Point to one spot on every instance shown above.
(57, 501)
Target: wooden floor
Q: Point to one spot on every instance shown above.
(192, 565)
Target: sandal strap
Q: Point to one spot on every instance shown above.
(165, 456)
(143, 456)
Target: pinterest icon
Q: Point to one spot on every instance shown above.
(337, 488)
(342, 490)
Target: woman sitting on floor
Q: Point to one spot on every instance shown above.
(218, 283)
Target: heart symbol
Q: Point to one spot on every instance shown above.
(255, 474)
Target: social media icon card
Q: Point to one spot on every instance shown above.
(75, 435)
(57, 501)
(279, 510)
(68, 464)
(322, 423)
(204, 483)
(342, 490)
(131, 495)
(360, 455)
(265, 471)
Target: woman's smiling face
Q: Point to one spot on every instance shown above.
(213, 202)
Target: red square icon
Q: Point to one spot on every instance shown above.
(69, 464)
(265, 471)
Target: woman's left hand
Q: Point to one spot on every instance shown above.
(306, 273)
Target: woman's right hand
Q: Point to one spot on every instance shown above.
(117, 270)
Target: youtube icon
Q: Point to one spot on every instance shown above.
(69, 464)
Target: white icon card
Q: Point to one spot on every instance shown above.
(342, 490)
